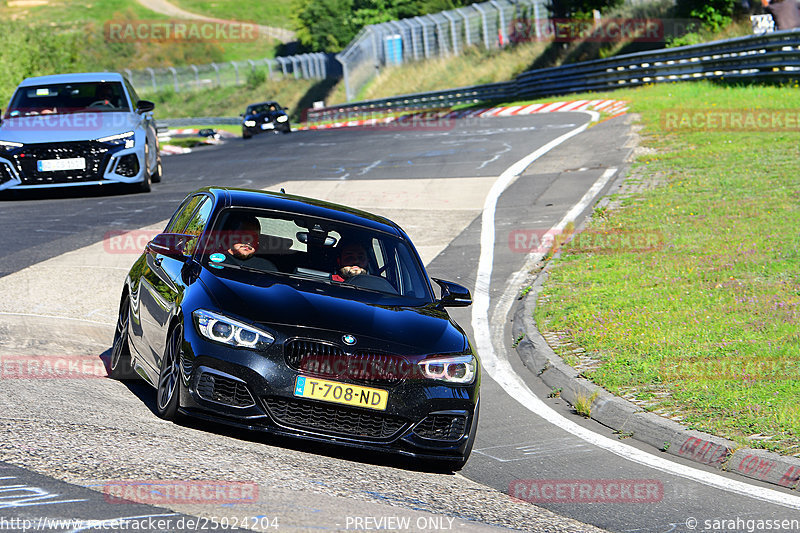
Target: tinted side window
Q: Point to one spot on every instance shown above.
(132, 92)
(198, 223)
(182, 215)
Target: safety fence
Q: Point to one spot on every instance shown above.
(769, 57)
(180, 79)
(487, 25)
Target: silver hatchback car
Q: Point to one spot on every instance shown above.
(72, 130)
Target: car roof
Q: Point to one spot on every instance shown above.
(279, 201)
(81, 77)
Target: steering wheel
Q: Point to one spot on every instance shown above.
(102, 103)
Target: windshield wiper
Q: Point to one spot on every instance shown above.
(243, 267)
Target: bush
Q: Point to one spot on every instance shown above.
(256, 77)
(714, 14)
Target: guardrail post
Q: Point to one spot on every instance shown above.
(467, 37)
(425, 44)
(502, 34)
(347, 91)
(414, 44)
(216, 69)
(485, 25)
(152, 77)
(196, 76)
(175, 78)
(453, 31)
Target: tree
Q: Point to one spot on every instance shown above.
(329, 25)
(580, 8)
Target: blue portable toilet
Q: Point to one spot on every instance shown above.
(393, 46)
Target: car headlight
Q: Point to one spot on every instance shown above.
(119, 139)
(453, 369)
(250, 123)
(228, 331)
(282, 118)
(10, 144)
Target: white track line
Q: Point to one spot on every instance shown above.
(501, 371)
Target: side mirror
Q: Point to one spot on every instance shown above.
(170, 244)
(453, 294)
(145, 106)
(241, 115)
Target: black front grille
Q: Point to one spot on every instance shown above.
(321, 359)
(95, 154)
(442, 427)
(333, 419)
(220, 389)
(128, 166)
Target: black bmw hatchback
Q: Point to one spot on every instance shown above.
(264, 117)
(302, 318)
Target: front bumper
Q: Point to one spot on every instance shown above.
(254, 390)
(104, 164)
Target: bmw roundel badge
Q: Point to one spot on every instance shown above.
(348, 339)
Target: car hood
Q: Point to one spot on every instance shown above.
(67, 127)
(421, 330)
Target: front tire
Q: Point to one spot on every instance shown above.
(156, 178)
(144, 186)
(169, 379)
(119, 367)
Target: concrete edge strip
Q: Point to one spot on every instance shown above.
(500, 368)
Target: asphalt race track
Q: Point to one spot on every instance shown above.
(68, 442)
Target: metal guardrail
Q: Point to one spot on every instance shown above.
(172, 123)
(410, 102)
(772, 56)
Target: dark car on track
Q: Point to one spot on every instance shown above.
(301, 318)
(263, 117)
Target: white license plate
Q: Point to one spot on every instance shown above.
(268, 126)
(50, 165)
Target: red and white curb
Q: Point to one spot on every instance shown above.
(610, 107)
(168, 149)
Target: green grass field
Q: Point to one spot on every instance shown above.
(275, 13)
(705, 327)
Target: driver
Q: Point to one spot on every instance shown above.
(104, 94)
(244, 244)
(352, 261)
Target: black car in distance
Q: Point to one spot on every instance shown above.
(264, 117)
(301, 318)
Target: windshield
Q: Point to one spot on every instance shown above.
(317, 254)
(62, 98)
(262, 108)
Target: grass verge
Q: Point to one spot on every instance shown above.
(705, 327)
